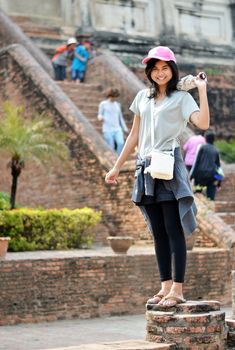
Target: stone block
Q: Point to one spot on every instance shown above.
(121, 345)
(191, 325)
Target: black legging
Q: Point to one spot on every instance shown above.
(170, 247)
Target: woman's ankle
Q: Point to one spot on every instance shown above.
(176, 288)
(166, 286)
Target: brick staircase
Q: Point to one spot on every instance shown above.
(87, 98)
(226, 210)
(225, 199)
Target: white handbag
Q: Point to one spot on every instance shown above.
(162, 162)
(162, 165)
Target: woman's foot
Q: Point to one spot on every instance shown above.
(174, 297)
(165, 289)
(155, 299)
(172, 300)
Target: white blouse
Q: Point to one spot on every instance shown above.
(171, 116)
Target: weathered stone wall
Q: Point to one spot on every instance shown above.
(89, 285)
(228, 185)
(199, 27)
(10, 33)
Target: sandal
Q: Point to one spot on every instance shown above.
(155, 299)
(171, 301)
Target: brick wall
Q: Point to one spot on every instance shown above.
(99, 284)
(213, 226)
(228, 185)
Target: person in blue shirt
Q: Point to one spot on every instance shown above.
(79, 63)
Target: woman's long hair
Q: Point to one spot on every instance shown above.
(171, 86)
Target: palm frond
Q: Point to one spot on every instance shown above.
(31, 139)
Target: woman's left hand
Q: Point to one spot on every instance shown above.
(199, 82)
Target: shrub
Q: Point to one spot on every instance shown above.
(227, 150)
(34, 229)
(4, 201)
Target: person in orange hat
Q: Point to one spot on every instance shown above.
(60, 58)
(161, 113)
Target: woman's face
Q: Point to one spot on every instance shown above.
(161, 73)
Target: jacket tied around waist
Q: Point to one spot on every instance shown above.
(179, 185)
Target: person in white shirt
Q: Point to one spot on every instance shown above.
(114, 126)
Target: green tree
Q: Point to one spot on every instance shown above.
(24, 139)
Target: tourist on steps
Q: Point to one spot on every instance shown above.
(206, 170)
(167, 205)
(191, 148)
(114, 125)
(61, 57)
(80, 60)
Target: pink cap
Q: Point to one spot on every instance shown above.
(161, 53)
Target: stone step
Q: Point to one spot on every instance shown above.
(85, 103)
(229, 218)
(90, 113)
(191, 325)
(85, 95)
(231, 333)
(231, 324)
(224, 206)
(84, 99)
(83, 86)
(190, 307)
(121, 345)
(36, 30)
(41, 33)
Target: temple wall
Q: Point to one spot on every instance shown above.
(202, 20)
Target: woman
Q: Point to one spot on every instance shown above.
(167, 205)
(191, 148)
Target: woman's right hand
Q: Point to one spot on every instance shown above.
(112, 175)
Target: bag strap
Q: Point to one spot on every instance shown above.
(152, 125)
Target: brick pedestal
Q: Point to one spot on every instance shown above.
(233, 294)
(231, 334)
(193, 325)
